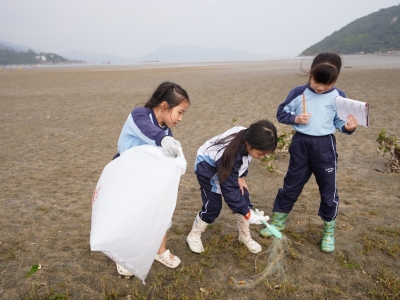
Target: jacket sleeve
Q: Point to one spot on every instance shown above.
(145, 128)
(286, 112)
(231, 191)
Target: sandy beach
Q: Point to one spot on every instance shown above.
(60, 127)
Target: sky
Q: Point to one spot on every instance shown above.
(131, 28)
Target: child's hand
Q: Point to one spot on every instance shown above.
(302, 118)
(256, 217)
(170, 146)
(351, 124)
(243, 185)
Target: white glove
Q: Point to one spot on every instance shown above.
(170, 146)
(256, 217)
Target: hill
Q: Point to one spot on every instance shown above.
(378, 32)
(11, 57)
(13, 54)
(15, 47)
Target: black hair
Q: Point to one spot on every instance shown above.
(325, 68)
(261, 135)
(324, 73)
(169, 92)
(327, 57)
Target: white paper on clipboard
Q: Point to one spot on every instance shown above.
(346, 107)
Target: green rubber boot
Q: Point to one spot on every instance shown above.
(328, 239)
(278, 221)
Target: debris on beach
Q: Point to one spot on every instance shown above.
(275, 265)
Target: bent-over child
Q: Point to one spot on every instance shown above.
(221, 166)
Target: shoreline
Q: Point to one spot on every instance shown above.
(365, 60)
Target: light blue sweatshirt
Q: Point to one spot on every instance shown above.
(323, 119)
(141, 128)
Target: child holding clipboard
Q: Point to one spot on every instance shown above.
(313, 147)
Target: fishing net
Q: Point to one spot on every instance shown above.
(272, 259)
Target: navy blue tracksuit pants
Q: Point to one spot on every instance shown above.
(311, 155)
(212, 202)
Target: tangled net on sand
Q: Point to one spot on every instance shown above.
(275, 265)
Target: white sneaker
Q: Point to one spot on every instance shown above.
(194, 242)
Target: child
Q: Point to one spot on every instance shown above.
(313, 147)
(221, 165)
(151, 125)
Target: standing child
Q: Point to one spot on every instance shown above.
(151, 125)
(221, 165)
(313, 147)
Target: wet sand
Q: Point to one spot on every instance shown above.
(60, 126)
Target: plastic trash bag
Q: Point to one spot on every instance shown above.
(133, 204)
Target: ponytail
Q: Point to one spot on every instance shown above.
(261, 135)
(228, 157)
(169, 92)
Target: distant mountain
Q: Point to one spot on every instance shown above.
(17, 48)
(13, 54)
(378, 32)
(93, 57)
(169, 53)
(4, 47)
(11, 57)
(172, 53)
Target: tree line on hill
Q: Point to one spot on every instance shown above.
(378, 32)
(9, 57)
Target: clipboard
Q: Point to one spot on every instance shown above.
(347, 106)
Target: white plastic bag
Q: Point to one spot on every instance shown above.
(133, 204)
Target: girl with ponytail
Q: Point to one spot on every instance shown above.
(151, 125)
(221, 166)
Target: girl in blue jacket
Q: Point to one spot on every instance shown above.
(151, 124)
(313, 147)
(221, 165)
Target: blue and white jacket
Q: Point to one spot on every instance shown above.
(323, 120)
(208, 163)
(141, 128)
